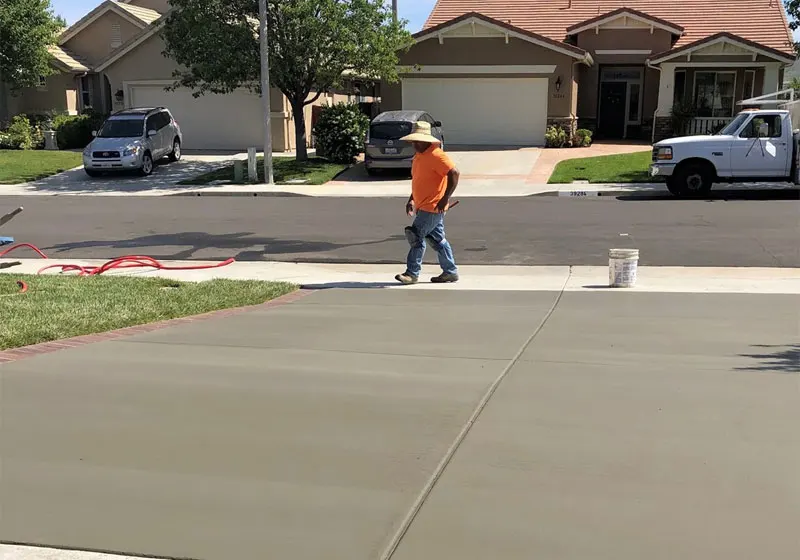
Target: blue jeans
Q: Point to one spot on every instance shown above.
(431, 226)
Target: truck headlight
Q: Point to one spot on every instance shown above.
(664, 153)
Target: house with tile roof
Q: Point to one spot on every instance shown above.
(501, 71)
(112, 59)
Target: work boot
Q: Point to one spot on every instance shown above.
(445, 278)
(406, 279)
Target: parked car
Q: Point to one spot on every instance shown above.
(133, 140)
(384, 149)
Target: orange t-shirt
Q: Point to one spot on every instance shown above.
(429, 177)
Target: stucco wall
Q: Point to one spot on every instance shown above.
(492, 51)
(94, 42)
(60, 96)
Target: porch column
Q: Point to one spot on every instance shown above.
(666, 89)
(771, 77)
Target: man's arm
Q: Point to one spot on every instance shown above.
(410, 205)
(452, 182)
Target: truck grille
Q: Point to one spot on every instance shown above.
(105, 155)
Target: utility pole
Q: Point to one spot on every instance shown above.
(394, 9)
(265, 91)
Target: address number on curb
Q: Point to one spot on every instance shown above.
(578, 194)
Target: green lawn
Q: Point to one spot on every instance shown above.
(21, 166)
(621, 168)
(57, 307)
(316, 171)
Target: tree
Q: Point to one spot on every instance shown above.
(314, 45)
(793, 10)
(27, 28)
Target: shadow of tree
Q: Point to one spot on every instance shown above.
(247, 246)
(775, 358)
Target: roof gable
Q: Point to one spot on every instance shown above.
(723, 44)
(625, 18)
(474, 24)
(134, 42)
(140, 17)
(698, 18)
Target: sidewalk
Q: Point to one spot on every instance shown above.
(624, 426)
(474, 277)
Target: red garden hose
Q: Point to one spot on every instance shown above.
(129, 261)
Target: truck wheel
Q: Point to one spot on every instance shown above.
(692, 179)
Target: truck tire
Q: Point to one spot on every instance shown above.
(692, 179)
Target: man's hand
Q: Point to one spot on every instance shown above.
(410, 208)
(441, 206)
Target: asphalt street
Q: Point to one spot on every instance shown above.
(759, 231)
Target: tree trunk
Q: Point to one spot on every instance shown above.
(298, 109)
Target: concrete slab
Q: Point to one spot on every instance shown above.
(306, 432)
(653, 454)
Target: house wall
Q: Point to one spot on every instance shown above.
(489, 51)
(146, 63)
(93, 44)
(60, 95)
(161, 6)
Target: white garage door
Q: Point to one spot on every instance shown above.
(483, 111)
(210, 122)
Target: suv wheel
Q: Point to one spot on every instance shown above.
(175, 154)
(147, 165)
(692, 179)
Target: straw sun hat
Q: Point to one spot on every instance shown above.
(422, 133)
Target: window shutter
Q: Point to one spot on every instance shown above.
(116, 36)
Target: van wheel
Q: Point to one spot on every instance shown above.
(692, 179)
(175, 154)
(147, 165)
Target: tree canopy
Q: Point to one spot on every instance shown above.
(27, 29)
(313, 46)
(793, 10)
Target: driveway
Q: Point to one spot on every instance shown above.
(163, 180)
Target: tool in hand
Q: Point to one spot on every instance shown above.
(10, 216)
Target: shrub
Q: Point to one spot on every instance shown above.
(555, 137)
(5, 141)
(583, 138)
(20, 133)
(340, 132)
(74, 132)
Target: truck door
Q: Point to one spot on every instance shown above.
(762, 148)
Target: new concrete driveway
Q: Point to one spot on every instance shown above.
(625, 426)
(164, 179)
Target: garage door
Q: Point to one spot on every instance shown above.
(210, 122)
(483, 111)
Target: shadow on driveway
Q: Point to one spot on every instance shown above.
(164, 178)
(775, 358)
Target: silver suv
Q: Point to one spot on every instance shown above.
(384, 149)
(133, 140)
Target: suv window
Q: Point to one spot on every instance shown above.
(163, 119)
(773, 123)
(121, 128)
(389, 130)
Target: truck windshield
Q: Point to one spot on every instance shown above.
(734, 125)
(122, 128)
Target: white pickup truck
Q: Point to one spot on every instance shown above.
(756, 146)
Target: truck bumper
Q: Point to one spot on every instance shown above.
(662, 169)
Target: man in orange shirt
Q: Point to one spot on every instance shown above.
(434, 178)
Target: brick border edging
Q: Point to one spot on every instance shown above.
(16, 354)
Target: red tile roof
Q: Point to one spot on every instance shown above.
(760, 21)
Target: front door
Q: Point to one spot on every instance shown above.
(612, 109)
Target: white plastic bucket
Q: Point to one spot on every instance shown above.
(622, 267)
